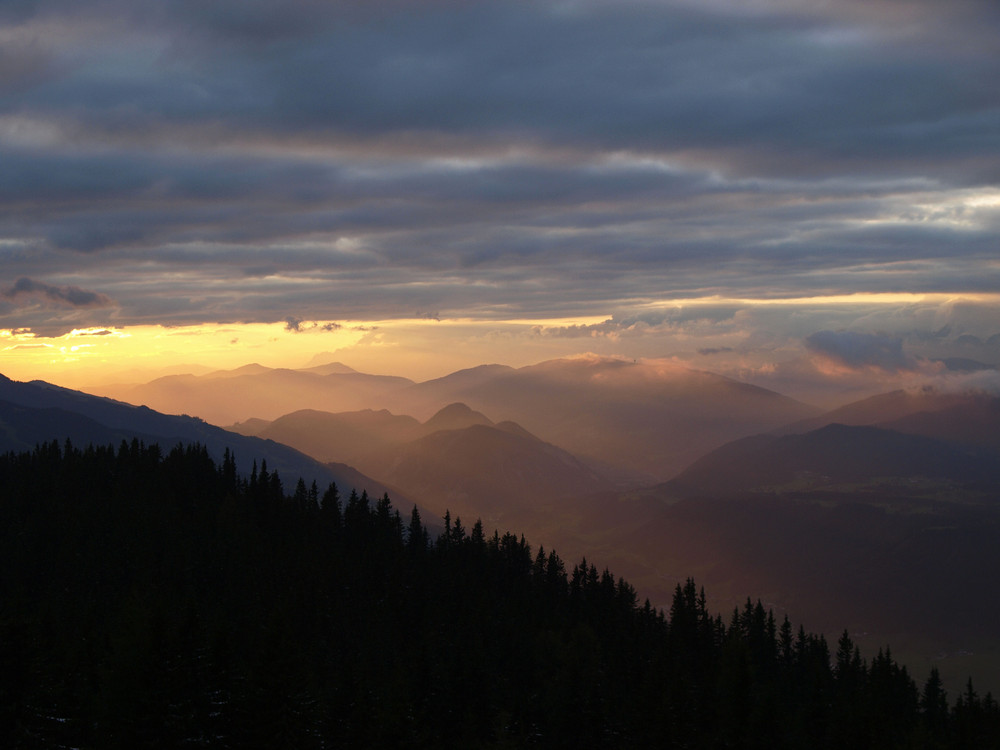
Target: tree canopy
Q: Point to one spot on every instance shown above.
(152, 598)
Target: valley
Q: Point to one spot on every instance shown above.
(879, 516)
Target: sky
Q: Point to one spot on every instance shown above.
(803, 195)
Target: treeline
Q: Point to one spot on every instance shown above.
(161, 600)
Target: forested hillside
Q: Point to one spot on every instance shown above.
(152, 599)
(35, 412)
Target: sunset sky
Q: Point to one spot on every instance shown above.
(802, 194)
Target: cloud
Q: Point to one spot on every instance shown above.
(788, 85)
(94, 332)
(981, 381)
(498, 161)
(298, 325)
(26, 290)
(856, 350)
(591, 330)
(676, 319)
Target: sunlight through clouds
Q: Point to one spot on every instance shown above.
(783, 167)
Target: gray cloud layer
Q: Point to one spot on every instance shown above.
(856, 350)
(313, 161)
(25, 291)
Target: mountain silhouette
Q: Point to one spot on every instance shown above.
(974, 422)
(494, 472)
(225, 397)
(643, 420)
(650, 418)
(457, 460)
(833, 455)
(882, 409)
(36, 412)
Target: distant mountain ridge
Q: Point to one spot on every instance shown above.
(225, 397)
(835, 454)
(885, 408)
(350, 437)
(647, 419)
(653, 418)
(974, 422)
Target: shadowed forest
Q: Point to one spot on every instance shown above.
(154, 599)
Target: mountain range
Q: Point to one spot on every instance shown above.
(874, 516)
(641, 421)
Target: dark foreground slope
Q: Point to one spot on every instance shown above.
(37, 412)
(160, 600)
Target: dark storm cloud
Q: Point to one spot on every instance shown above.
(26, 291)
(815, 89)
(300, 160)
(298, 325)
(858, 350)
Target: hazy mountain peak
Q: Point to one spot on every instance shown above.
(619, 372)
(330, 368)
(470, 375)
(251, 369)
(583, 364)
(456, 416)
(321, 358)
(885, 407)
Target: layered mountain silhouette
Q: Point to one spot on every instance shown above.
(975, 422)
(653, 418)
(228, 396)
(831, 456)
(38, 412)
(458, 460)
(359, 438)
(647, 419)
(886, 408)
(876, 516)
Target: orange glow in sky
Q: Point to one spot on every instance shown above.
(416, 348)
